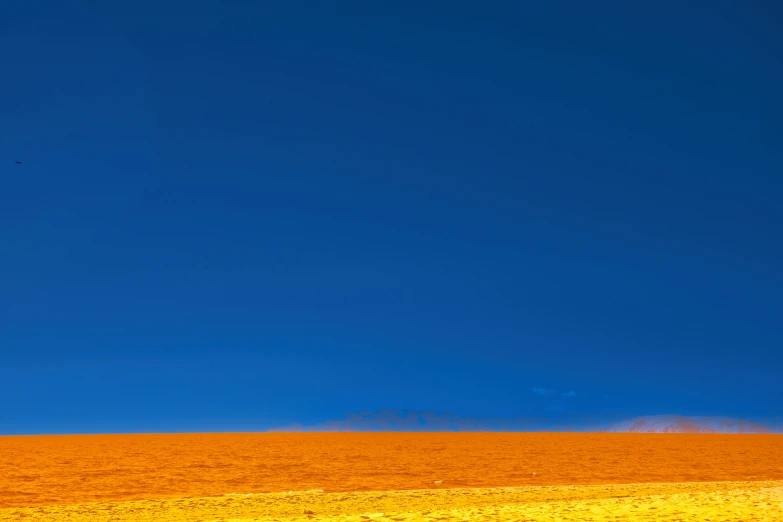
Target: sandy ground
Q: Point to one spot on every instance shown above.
(704, 501)
(391, 476)
(46, 470)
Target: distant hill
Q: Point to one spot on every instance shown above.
(419, 421)
(682, 424)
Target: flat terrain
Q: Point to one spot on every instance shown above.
(391, 477)
(46, 470)
(707, 501)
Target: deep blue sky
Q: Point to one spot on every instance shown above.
(233, 215)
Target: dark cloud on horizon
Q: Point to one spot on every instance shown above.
(423, 421)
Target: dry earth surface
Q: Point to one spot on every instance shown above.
(392, 476)
(703, 501)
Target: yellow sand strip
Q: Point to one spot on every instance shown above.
(703, 501)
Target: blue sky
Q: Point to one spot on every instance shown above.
(238, 215)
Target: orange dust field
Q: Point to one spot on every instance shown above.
(691, 501)
(356, 476)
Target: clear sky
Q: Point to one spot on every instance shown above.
(236, 215)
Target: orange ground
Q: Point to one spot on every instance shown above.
(670, 502)
(43, 470)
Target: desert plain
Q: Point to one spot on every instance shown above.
(391, 476)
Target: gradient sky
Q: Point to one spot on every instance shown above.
(237, 215)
